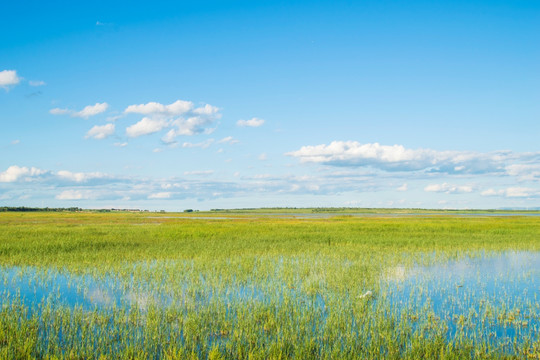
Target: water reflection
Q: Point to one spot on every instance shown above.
(34, 286)
(492, 296)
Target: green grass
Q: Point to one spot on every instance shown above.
(291, 261)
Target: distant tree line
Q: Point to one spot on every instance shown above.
(30, 209)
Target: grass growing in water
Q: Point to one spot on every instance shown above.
(250, 286)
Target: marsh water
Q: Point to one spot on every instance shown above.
(494, 296)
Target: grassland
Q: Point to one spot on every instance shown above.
(248, 286)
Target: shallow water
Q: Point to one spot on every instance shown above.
(33, 286)
(493, 297)
(37, 286)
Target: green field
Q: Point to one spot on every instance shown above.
(245, 285)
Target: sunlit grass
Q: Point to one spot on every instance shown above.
(249, 286)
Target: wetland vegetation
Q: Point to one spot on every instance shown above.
(268, 285)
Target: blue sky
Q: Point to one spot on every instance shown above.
(225, 104)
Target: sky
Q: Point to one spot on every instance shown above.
(233, 104)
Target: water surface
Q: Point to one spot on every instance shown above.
(493, 297)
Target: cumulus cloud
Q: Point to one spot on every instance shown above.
(100, 132)
(228, 140)
(203, 144)
(59, 111)
(91, 110)
(160, 195)
(403, 187)
(192, 125)
(73, 195)
(448, 188)
(179, 107)
(60, 178)
(525, 172)
(521, 192)
(170, 137)
(203, 185)
(80, 177)
(9, 78)
(146, 126)
(399, 158)
(15, 173)
(85, 113)
(513, 192)
(206, 110)
(492, 192)
(253, 122)
(182, 117)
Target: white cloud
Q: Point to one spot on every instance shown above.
(191, 126)
(80, 176)
(174, 186)
(313, 187)
(399, 158)
(263, 157)
(73, 195)
(202, 144)
(512, 192)
(295, 187)
(119, 144)
(15, 142)
(448, 188)
(209, 131)
(86, 112)
(254, 122)
(8, 78)
(181, 116)
(91, 110)
(178, 107)
(521, 192)
(146, 126)
(37, 83)
(403, 187)
(160, 195)
(59, 111)
(100, 132)
(525, 172)
(492, 192)
(206, 110)
(170, 137)
(14, 173)
(228, 140)
(194, 185)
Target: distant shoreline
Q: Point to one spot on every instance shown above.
(292, 211)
